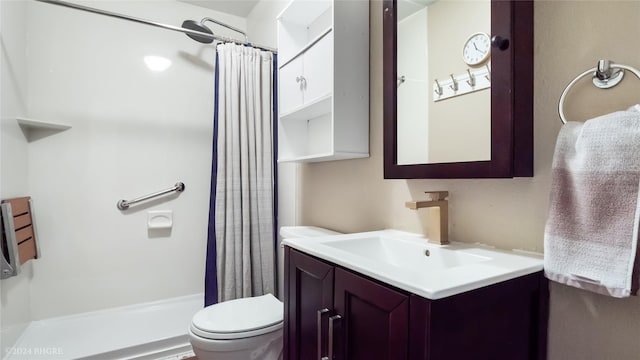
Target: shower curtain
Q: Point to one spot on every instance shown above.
(241, 238)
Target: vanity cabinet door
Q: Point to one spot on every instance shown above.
(374, 320)
(309, 288)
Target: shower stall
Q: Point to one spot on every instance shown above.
(114, 109)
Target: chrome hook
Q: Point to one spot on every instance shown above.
(401, 80)
(472, 79)
(454, 83)
(438, 89)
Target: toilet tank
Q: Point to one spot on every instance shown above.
(295, 232)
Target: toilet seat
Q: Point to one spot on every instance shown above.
(240, 318)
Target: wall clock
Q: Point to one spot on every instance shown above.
(476, 49)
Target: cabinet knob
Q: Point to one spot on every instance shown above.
(302, 81)
(500, 42)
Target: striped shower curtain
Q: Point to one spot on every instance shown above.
(241, 243)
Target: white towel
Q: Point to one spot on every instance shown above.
(591, 235)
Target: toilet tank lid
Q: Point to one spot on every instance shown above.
(293, 232)
(240, 315)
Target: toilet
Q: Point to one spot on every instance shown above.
(248, 328)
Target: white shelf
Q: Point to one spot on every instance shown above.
(32, 124)
(324, 157)
(37, 129)
(311, 110)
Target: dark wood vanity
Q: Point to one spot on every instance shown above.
(368, 320)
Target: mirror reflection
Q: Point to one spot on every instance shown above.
(443, 70)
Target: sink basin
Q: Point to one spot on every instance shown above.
(408, 262)
(410, 255)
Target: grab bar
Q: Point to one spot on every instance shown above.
(124, 204)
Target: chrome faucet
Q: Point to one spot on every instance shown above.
(438, 230)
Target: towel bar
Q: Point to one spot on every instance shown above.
(124, 204)
(606, 75)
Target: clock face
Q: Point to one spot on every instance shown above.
(476, 49)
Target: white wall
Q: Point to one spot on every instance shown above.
(261, 23)
(15, 312)
(134, 132)
(262, 30)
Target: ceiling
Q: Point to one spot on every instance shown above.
(240, 8)
(408, 7)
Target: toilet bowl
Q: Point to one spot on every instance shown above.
(241, 329)
(248, 328)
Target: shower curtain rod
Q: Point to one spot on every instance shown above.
(156, 24)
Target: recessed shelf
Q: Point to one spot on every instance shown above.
(37, 129)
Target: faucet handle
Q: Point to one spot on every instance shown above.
(437, 195)
(434, 198)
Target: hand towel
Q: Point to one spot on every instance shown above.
(591, 234)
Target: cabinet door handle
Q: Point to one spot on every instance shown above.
(334, 323)
(321, 315)
(302, 81)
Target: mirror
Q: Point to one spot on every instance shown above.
(485, 127)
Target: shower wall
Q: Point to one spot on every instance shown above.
(134, 131)
(15, 311)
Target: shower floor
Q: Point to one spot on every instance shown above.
(155, 330)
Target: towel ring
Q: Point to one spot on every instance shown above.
(605, 76)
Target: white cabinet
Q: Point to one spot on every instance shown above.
(323, 50)
(308, 77)
(290, 85)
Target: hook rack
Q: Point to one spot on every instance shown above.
(472, 80)
(605, 76)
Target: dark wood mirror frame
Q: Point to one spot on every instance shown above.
(511, 99)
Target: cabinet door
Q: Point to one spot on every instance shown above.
(375, 319)
(291, 86)
(318, 69)
(308, 289)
